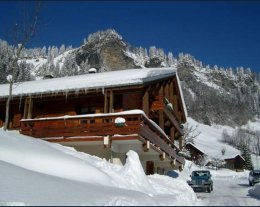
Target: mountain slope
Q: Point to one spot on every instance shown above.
(218, 96)
(213, 95)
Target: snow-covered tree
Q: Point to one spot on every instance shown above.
(70, 66)
(84, 67)
(170, 59)
(152, 52)
(245, 153)
(62, 49)
(24, 72)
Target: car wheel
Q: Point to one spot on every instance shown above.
(211, 187)
(250, 183)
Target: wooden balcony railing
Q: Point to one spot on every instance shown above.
(136, 122)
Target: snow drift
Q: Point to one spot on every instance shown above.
(35, 172)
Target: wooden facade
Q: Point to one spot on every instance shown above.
(236, 163)
(153, 110)
(195, 153)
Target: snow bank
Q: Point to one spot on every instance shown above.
(173, 191)
(133, 173)
(24, 187)
(35, 172)
(40, 156)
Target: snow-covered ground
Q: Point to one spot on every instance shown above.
(36, 172)
(209, 140)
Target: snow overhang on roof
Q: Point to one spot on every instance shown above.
(233, 157)
(182, 97)
(189, 143)
(103, 80)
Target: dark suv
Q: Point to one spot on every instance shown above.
(201, 180)
(254, 177)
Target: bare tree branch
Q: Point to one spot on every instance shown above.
(21, 37)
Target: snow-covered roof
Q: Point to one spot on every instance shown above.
(232, 157)
(182, 97)
(189, 143)
(89, 81)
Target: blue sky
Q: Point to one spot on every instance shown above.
(225, 33)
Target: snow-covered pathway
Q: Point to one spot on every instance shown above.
(229, 191)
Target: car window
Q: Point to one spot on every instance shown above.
(200, 173)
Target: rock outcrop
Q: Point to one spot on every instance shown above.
(105, 51)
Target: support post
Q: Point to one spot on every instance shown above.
(107, 142)
(181, 143)
(162, 156)
(172, 133)
(111, 102)
(146, 146)
(173, 163)
(30, 108)
(105, 102)
(171, 91)
(181, 167)
(25, 111)
(161, 114)
(176, 106)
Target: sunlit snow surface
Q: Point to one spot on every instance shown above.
(88, 81)
(35, 172)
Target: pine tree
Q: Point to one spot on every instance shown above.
(62, 49)
(245, 153)
(23, 72)
(70, 66)
(152, 52)
(170, 59)
(56, 72)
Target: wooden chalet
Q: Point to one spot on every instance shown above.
(236, 163)
(83, 111)
(195, 153)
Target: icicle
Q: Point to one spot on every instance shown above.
(103, 90)
(66, 94)
(76, 92)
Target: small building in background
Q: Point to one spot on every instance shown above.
(236, 162)
(195, 153)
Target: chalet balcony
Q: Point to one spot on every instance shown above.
(106, 128)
